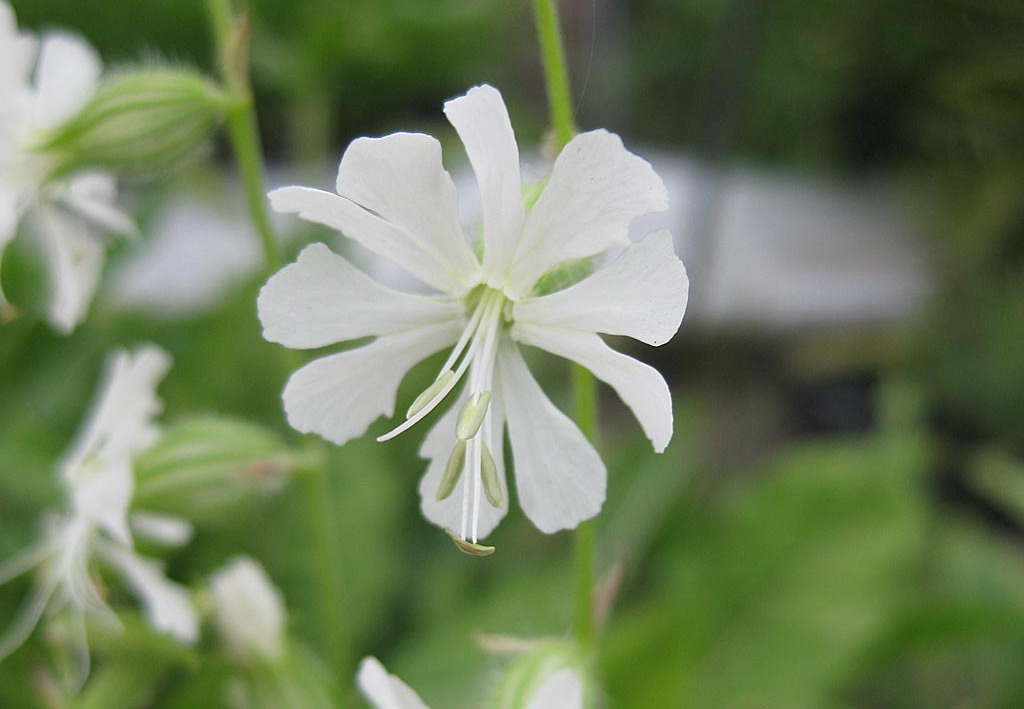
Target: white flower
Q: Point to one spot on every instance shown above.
(561, 690)
(248, 610)
(395, 198)
(97, 477)
(72, 214)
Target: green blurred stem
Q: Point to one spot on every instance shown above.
(556, 77)
(244, 136)
(585, 412)
(231, 34)
(232, 38)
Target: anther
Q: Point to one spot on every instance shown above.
(489, 476)
(469, 547)
(429, 393)
(472, 415)
(452, 471)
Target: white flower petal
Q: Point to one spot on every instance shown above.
(639, 385)
(560, 478)
(437, 447)
(75, 259)
(562, 690)
(167, 605)
(482, 122)
(121, 420)
(383, 690)
(641, 294)
(168, 530)
(93, 195)
(66, 77)
(338, 396)
(10, 214)
(248, 609)
(322, 299)
(401, 178)
(596, 189)
(376, 234)
(17, 53)
(101, 496)
(26, 618)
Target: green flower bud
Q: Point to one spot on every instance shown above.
(536, 671)
(139, 122)
(205, 469)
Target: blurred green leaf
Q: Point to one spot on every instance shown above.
(777, 588)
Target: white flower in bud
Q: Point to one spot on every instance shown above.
(560, 690)
(95, 526)
(394, 197)
(248, 610)
(73, 214)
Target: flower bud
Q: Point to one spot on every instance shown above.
(208, 469)
(139, 122)
(248, 611)
(548, 676)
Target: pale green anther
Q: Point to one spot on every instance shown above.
(489, 475)
(429, 393)
(452, 471)
(472, 415)
(467, 547)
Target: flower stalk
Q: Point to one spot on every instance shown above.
(232, 42)
(231, 36)
(556, 78)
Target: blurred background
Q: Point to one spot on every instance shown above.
(839, 520)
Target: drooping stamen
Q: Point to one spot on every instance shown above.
(470, 548)
(452, 471)
(429, 393)
(472, 416)
(489, 477)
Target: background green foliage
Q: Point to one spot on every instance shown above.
(766, 563)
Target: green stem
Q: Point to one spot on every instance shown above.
(556, 78)
(231, 36)
(244, 136)
(585, 413)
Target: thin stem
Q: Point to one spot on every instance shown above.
(231, 35)
(585, 413)
(232, 41)
(244, 136)
(556, 76)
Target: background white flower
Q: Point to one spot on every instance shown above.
(395, 198)
(98, 480)
(248, 610)
(43, 84)
(562, 690)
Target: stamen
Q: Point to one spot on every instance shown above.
(452, 471)
(469, 547)
(472, 415)
(429, 393)
(492, 304)
(489, 476)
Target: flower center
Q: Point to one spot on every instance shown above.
(474, 353)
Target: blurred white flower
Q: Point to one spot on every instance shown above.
(248, 610)
(396, 199)
(43, 84)
(97, 478)
(561, 690)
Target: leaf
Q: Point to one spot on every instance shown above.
(777, 589)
